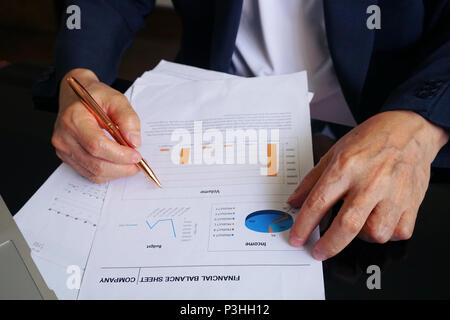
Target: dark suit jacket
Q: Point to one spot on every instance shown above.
(405, 65)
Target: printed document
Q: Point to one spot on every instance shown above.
(228, 152)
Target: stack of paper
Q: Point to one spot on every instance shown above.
(228, 152)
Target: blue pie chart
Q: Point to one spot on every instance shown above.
(269, 221)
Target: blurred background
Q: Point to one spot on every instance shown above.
(28, 29)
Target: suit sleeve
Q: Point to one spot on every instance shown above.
(106, 31)
(427, 90)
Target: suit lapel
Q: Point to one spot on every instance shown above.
(350, 43)
(349, 40)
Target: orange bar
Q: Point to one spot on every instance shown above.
(163, 149)
(206, 147)
(272, 165)
(184, 156)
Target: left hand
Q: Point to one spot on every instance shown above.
(381, 169)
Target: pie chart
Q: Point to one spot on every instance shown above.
(269, 221)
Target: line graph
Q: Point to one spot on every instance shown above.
(161, 220)
(159, 223)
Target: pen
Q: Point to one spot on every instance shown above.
(93, 107)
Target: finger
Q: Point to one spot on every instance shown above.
(123, 114)
(67, 159)
(405, 226)
(67, 145)
(94, 140)
(302, 191)
(102, 168)
(344, 228)
(381, 223)
(330, 187)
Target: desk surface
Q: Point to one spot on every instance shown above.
(415, 269)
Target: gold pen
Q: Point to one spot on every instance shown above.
(93, 107)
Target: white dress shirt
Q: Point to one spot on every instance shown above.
(281, 37)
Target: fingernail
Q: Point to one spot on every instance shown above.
(136, 158)
(135, 139)
(318, 255)
(295, 241)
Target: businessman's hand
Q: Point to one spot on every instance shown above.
(80, 141)
(381, 170)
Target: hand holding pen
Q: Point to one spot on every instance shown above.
(80, 141)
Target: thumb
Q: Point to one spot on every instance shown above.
(124, 116)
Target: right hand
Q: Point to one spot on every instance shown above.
(81, 142)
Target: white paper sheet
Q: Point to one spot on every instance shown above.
(203, 236)
(59, 224)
